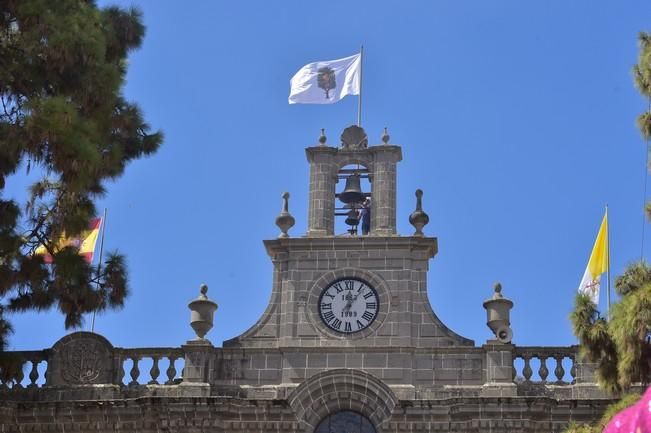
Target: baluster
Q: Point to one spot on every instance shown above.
(543, 371)
(573, 369)
(33, 374)
(171, 371)
(155, 371)
(20, 375)
(559, 371)
(120, 371)
(526, 371)
(135, 371)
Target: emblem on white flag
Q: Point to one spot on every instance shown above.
(326, 82)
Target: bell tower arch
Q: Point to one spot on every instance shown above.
(326, 162)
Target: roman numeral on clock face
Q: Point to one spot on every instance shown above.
(348, 305)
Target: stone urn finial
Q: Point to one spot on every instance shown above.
(498, 309)
(201, 316)
(322, 137)
(285, 220)
(385, 136)
(418, 218)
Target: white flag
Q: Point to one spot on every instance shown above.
(326, 82)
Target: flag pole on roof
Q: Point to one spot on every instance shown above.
(359, 101)
(608, 266)
(99, 264)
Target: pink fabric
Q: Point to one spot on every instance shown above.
(634, 419)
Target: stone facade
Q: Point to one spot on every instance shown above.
(405, 371)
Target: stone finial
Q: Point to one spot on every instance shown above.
(354, 137)
(498, 290)
(285, 220)
(385, 136)
(322, 137)
(202, 311)
(498, 312)
(418, 218)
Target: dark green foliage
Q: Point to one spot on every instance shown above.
(642, 73)
(620, 347)
(62, 67)
(596, 344)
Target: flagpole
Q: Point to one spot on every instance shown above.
(646, 177)
(359, 100)
(608, 263)
(99, 265)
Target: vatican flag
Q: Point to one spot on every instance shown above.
(326, 82)
(597, 265)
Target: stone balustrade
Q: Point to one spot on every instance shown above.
(561, 369)
(84, 358)
(26, 374)
(165, 366)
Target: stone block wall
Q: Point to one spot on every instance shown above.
(396, 267)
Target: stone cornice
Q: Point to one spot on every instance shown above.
(412, 243)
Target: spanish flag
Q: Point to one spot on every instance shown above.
(597, 265)
(85, 242)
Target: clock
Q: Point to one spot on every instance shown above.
(348, 305)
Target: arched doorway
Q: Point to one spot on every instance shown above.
(345, 421)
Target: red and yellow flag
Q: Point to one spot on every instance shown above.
(85, 242)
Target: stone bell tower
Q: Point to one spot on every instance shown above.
(380, 163)
(350, 290)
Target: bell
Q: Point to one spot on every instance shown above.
(352, 192)
(352, 218)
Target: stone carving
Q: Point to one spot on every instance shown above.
(81, 358)
(354, 138)
(82, 361)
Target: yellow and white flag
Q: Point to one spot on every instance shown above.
(597, 265)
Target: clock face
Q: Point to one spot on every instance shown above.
(348, 305)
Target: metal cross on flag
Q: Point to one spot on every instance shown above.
(326, 82)
(597, 265)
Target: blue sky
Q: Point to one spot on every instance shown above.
(517, 119)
